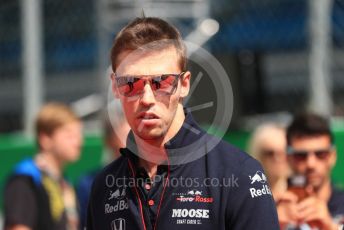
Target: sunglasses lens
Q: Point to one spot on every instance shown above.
(322, 154)
(130, 86)
(164, 84)
(300, 155)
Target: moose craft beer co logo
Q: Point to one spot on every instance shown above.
(190, 216)
(260, 178)
(117, 201)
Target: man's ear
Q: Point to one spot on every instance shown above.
(185, 84)
(113, 86)
(333, 158)
(44, 141)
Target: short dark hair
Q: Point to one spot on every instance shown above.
(308, 125)
(148, 31)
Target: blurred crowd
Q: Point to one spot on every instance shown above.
(297, 161)
(37, 196)
(269, 47)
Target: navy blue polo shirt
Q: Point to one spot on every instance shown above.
(223, 189)
(336, 205)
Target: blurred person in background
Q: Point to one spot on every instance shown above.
(116, 130)
(37, 197)
(268, 145)
(311, 202)
(115, 135)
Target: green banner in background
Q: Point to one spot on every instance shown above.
(14, 148)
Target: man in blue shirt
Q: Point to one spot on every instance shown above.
(154, 184)
(311, 155)
(37, 196)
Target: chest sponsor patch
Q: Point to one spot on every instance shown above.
(116, 201)
(193, 196)
(120, 205)
(118, 224)
(190, 216)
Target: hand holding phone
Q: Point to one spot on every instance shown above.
(297, 185)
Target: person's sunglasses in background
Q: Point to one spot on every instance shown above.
(131, 86)
(302, 155)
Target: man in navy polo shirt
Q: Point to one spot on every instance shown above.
(171, 176)
(311, 155)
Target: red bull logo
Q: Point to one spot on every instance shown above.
(258, 177)
(260, 192)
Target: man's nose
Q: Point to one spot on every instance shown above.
(311, 160)
(148, 97)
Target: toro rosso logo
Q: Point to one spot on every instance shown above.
(194, 196)
(194, 192)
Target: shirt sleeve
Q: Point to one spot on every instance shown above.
(20, 203)
(251, 204)
(89, 215)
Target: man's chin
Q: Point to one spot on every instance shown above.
(150, 135)
(71, 158)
